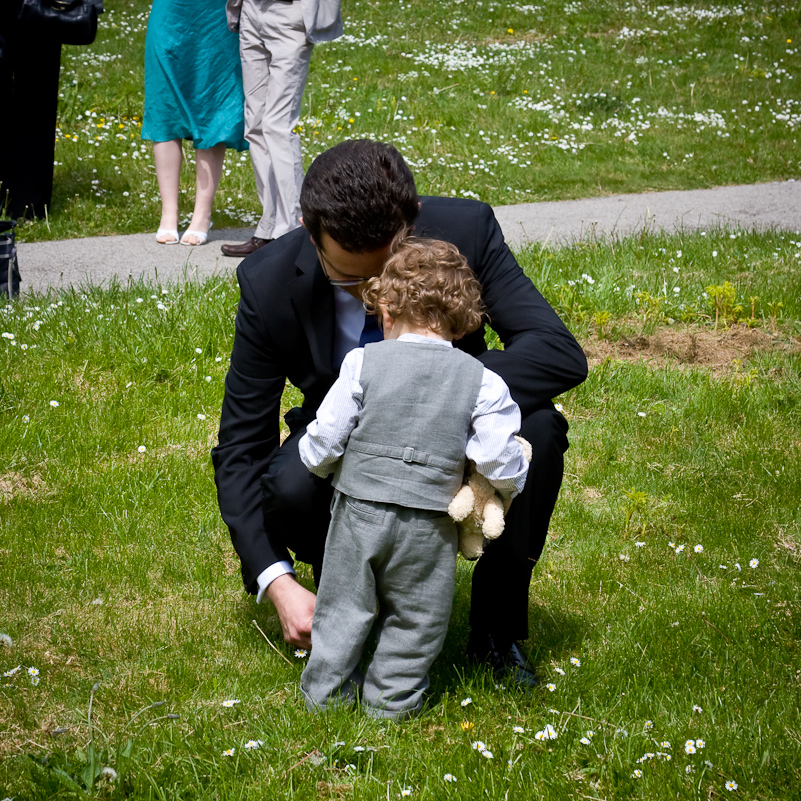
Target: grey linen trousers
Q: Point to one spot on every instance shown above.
(275, 57)
(407, 559)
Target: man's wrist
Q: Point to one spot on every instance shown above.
(269, 575)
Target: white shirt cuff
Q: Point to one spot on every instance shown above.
(269, 575)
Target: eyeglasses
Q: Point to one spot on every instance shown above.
(353, 281)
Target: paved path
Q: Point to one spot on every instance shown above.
(98, 260)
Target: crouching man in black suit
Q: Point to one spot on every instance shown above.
(300, 312)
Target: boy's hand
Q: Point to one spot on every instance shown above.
(295, 607)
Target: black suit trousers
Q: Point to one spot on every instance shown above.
(296, 507)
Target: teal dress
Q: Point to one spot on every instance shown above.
(193, 75)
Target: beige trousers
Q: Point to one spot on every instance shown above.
(275, 63)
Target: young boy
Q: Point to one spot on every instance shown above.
(395, 430)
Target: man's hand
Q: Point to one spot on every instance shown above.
(295, 607)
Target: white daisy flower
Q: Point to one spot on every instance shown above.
(548, 733)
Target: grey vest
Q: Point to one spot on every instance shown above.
(408, 446)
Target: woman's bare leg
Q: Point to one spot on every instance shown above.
(168, 157)
(209, 164)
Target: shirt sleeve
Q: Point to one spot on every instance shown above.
(491, 444)
(269, 575)
(323, 444)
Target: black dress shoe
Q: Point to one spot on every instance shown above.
(246, 248)
(507, 661)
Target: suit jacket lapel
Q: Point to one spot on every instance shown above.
(313, 301)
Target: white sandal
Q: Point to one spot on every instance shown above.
(172, 233)
(203, 236)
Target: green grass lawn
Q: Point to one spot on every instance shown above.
(504, 102)
(664, 612)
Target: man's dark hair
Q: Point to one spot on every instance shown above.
(361, 193)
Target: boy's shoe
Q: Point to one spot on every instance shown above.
(507, 662)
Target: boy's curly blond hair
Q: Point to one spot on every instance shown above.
(428, 283)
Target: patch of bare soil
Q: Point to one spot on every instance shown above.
(720, 351)
(15, 485)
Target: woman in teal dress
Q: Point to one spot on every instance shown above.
(193, 90)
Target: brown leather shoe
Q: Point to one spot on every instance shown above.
(246, 248)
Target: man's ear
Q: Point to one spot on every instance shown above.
(303, 225)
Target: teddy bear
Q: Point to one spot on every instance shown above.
(478, 510)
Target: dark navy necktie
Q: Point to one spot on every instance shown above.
(371, 332)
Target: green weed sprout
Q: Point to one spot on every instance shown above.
(724, 301)
(601, 318)
(639, 502)
(774, 309)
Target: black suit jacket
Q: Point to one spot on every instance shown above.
(285, 331)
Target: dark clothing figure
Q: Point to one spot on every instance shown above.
(29, 69)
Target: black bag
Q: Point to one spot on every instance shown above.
(67, 21)
(9, 269)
